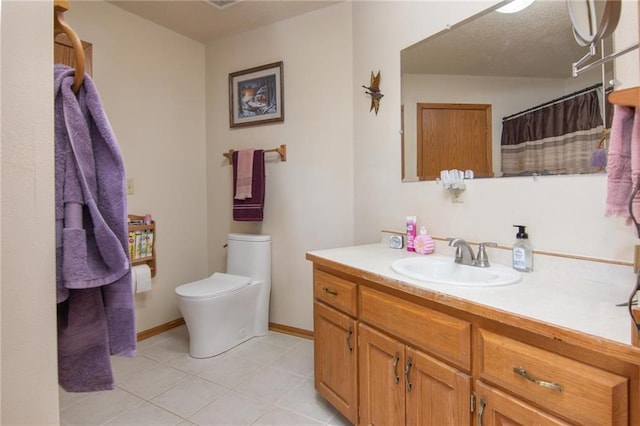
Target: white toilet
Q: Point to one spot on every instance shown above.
(225, 310)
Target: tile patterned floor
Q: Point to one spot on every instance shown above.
(265, 381)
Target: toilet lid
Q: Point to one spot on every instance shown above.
(216, 285)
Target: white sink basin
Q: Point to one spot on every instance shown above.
(444, 270)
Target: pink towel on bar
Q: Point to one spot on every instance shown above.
(244, 174)
(619, 162)
(251, 209)
(634, 204)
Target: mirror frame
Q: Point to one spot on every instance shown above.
(599, 25)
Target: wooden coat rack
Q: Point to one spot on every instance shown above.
(61, 27)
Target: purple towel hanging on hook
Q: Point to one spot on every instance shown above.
(96, 313)
(250, 209)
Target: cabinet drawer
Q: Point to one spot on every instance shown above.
(584, 394)
(446, 337)
(335, 291)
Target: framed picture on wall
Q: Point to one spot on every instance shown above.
(256, 95)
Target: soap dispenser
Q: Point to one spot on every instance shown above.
(423, 243)
(522, 253)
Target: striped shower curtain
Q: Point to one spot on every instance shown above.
(556, 139)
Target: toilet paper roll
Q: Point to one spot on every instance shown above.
(141, 278)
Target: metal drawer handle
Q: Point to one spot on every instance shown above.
(349, 334)
(406, 374)
(396, 378)
(326, 290)
(483, 404)
(550, 385)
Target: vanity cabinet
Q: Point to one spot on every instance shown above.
(398, 364)
(335, 342)
(424, 358)
(402, 385)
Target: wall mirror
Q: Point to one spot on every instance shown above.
(506, 63)
(593, 20)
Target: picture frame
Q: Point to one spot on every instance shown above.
(256, 95)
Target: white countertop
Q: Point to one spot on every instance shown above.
(550, 295)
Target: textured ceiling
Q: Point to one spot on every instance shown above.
(203, 22)
(537, 42)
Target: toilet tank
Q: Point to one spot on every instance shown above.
(249, 255)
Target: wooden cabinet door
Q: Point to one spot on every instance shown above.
(437, 394)
(496, 408)
(382, 385)
(335, 358)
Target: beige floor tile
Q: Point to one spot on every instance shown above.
(297, 360)
(257, 351)
(339, 420)
(66, 399)
(269, 384)
(99, 408)
(231, 409)
(189, 396)
(267, 380)
(174, 333)
(305, 400)
(145, 415)
(280, 339)
(125, 368)
(166, 349)
(191, 365)
(154, 381)
(230, 371)
(282, 417)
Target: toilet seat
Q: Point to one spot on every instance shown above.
(216, 285)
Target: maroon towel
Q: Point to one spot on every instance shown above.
(250, 209)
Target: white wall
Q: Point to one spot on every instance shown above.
(626, 66)
(309, 198)
(151, 81)
(29, 363)
(564, 214)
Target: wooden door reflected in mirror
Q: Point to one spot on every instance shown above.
(453, 136)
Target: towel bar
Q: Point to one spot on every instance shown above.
(281, 150)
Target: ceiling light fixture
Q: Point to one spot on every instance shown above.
(515, 6)
(221, 4)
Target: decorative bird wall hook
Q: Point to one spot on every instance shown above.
(374, 91)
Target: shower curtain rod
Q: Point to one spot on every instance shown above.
(554, 101)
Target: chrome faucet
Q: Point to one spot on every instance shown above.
(459, 243)
(481, 260)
